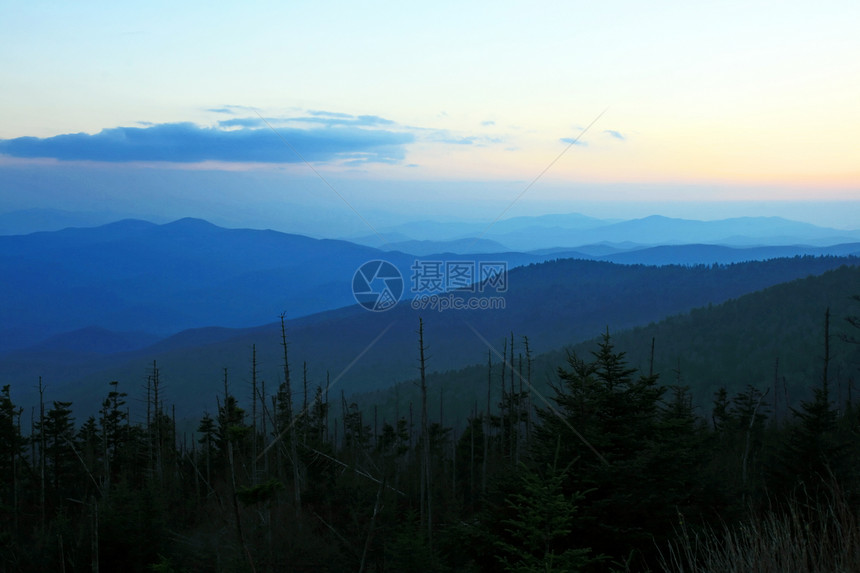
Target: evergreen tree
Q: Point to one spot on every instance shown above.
(231, 425)
(632, 455)
(539, 526)
(59, 434)
(113, 419)
(720, 414)
(813, 452)
(208, 438)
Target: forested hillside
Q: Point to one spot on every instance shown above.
(771, 340)
(556, 303)
(613, 467)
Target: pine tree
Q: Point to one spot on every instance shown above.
(813, 453)
(608, 418)
(59, 434)
(208, 438)
(113, 419)
(539, 525)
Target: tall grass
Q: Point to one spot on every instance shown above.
(806, 534)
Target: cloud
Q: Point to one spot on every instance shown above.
(374, 120)
(470, 140)
(318, 118)
(340, 119)
(488, 123)
(229, 109)
(574, 141)
(451, 138)
(321, 113)
(617, 135)
(242, 122)
(189, 143)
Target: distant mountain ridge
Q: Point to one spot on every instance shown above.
(26, 221)
(574, 230)
(458, 246)
(137, 276)
(719, 254)
(133, 275)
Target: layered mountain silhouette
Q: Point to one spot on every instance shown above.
(555, 304)
(135, 276)
(574, 230)
(84, 306)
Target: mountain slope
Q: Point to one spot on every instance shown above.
(554, 303)
(134, 275)
(772, 339)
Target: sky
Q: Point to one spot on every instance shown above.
(320, 117)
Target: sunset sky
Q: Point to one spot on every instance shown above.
(452, 108)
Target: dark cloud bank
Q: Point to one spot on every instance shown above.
(189, 143)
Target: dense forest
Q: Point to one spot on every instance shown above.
(612, 469)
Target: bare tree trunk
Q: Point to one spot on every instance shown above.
(454, 468)
(297, 484)
(425, 438)
(305, 402)
(236, 513)
(149, 433)
(513, 408)
(94, 538)
(503, 406)
(327, 384)
(487, 420)
(651, 362)
(776, 390)
(343, 413)
(264, 427)
(825, 378)
(472, 452)
(519, 409)
(528, 396)
(173, 441)
(42, 450)
(157, 404)
(254, 414)
(376, 507)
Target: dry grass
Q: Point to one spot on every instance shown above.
(806, 536)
